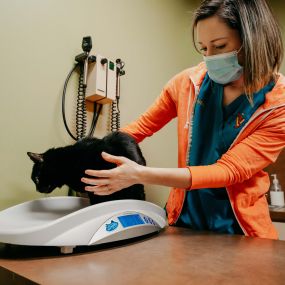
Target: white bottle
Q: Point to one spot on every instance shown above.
(276, 194)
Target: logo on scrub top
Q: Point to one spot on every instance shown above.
(239, 120)
(112, 226)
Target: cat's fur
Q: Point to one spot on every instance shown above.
(66, 165)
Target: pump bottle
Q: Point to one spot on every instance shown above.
(276, 194)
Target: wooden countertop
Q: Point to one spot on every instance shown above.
(175, 256)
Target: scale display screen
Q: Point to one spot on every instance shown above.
(131, 220)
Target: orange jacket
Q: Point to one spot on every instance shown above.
(240, 169)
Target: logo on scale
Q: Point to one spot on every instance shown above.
(112, 226)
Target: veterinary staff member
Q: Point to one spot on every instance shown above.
(231, 124)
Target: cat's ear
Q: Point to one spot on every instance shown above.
(35, 157)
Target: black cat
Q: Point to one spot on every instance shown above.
(66, 165)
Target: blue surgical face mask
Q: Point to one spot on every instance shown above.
(223, 68)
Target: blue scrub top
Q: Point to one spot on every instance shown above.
(214, 129)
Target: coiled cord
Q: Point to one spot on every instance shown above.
(81, 113)
(115, 116)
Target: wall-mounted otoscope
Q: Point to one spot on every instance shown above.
(85, 58)
(99, 82)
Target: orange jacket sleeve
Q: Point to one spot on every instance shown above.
(252, 154)
(159, 114)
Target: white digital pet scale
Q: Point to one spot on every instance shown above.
(68, 222)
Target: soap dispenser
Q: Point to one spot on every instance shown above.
(276, 194)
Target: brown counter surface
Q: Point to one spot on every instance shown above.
(175, 256)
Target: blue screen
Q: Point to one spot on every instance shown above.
(131, 220)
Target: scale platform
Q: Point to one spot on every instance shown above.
(68, 222)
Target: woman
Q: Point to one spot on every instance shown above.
(231, 124)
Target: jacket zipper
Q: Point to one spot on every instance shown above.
(197, 90)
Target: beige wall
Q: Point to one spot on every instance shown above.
(39, 40)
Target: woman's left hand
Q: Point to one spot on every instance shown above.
(109, 181)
